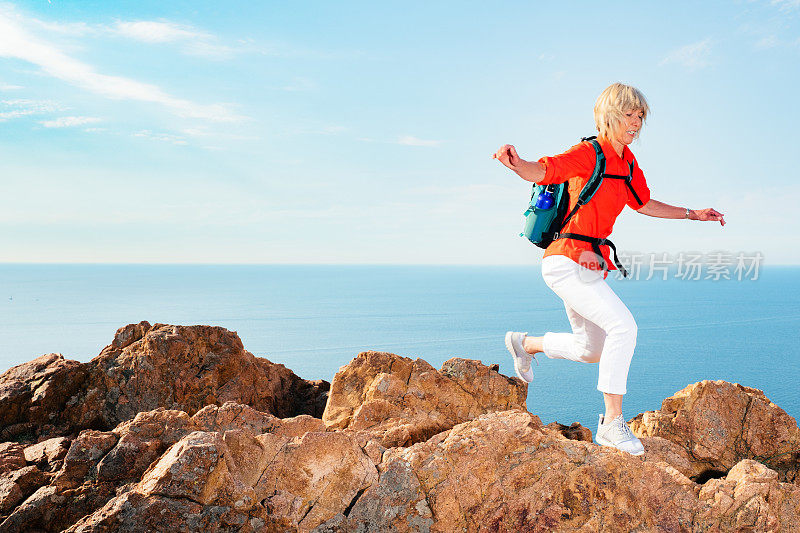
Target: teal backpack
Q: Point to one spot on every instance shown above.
(544, 223)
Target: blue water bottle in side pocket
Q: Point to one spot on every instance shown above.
(541, 212)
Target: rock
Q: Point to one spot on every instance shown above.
(721, 423)
(314, 478)
(402, 447)
(134, 512)
(749, 498)
(18, 485)
(398, 402)
(187, 368)
(48, 454)
(33, 396)
(146, 367)
(81, 460)
(142, 441)
(657, 449)
(396, 503)
(505, 472)
(242, 417)
(190, 469)
(12, 457)
(53, 509)
(575, 431)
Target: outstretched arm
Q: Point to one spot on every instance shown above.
(528, 170)
(657, 209)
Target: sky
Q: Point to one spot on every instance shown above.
(362, 132)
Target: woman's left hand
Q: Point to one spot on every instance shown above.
(708, 214)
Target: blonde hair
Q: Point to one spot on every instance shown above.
(612, 104)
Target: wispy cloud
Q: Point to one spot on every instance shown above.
(11, 109)
(409, 140)
(786, 5)
(770, 41)
(68, 122)
(158, 32)
(194, 42)
(18, 43)
(692, 56)
(163, 137)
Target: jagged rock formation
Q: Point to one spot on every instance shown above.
(146, 367)
(401, 447)
(718, 424)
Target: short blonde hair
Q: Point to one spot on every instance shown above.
(610, 107)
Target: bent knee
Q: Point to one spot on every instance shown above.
(626, 327)
(590, 354)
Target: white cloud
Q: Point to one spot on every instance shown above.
(68, 122)
(195, 42)
(409, 140)
(16, 42)
(12, 109)
(163, 137)
(786, 5)
(157, 32)
(770, 41)
(692, 56)
(10, 87)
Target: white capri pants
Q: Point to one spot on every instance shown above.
(603, 329)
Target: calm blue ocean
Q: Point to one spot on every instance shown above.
(315, 319)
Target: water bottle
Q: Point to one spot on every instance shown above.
(545, 200)
(539, 216)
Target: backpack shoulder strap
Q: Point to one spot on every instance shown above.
(595, 180)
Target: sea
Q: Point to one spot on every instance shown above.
(316, 318)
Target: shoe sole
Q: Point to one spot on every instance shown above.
(510, 348)
(603, 442)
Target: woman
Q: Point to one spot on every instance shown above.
(603, 329)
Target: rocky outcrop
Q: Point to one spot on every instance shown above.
(396, 401)
(144, 368)
(401, 447)
(719, 423)
(34, 395)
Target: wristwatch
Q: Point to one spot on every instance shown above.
(687, 213)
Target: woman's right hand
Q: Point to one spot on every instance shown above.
(507, 155)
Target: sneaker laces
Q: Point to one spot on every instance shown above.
(621, 429)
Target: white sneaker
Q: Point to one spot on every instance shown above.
(617, 434)
(522, 359)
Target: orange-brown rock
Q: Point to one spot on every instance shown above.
(270, 482)
(17, 485)
(146, 367)
(34, 395)
(48, 454)
(720, 423)
(574, 431)
(12, 457)
(750, 498)
(402, 447)
(397, 401)
(187, 368)
(505, 472)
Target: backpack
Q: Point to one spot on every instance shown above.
(543, 226)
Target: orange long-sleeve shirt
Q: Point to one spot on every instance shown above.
(597, 217)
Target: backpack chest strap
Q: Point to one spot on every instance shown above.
(628, 179)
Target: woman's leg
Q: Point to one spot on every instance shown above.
(584, 344)
(589, 296)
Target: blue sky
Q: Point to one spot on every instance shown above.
(361, 132)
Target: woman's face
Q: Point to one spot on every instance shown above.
(630, 126)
